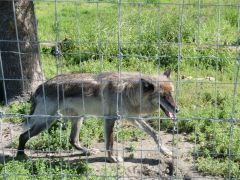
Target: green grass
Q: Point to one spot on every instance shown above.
(45, 169)
(15, 109)
(149, 36)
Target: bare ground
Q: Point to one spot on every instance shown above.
(141, 162)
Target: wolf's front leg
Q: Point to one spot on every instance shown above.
(74, 137)
(108, 127)
(149, 130)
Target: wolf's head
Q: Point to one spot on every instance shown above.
(157, 92)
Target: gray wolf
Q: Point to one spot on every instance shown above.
(109, 95)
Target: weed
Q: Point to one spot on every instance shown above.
(132, 150)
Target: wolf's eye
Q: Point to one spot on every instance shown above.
(164, 96)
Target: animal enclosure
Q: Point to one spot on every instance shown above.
(197, 40)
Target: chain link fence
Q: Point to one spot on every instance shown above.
(197, 40)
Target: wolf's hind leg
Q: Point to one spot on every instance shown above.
(149, 130)
(33, 131)
(36, 124)
(74, 137)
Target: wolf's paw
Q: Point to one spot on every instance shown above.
(166, 151)
(114, 159)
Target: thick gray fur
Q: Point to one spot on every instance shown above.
(108, 95)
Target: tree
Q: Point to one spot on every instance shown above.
(20, 71)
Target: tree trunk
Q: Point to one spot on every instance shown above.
(20, 71)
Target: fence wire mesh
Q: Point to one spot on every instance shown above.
(198, 40)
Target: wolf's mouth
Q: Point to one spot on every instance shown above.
(168, 113)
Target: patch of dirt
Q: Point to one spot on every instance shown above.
(142, 160)
(8, 133)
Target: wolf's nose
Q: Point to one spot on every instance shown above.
(177, 110)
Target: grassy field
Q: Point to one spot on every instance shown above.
(195, 40)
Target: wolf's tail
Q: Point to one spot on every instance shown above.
(29, 122)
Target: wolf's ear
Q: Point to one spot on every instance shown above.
(147, 86)
(167, 73)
